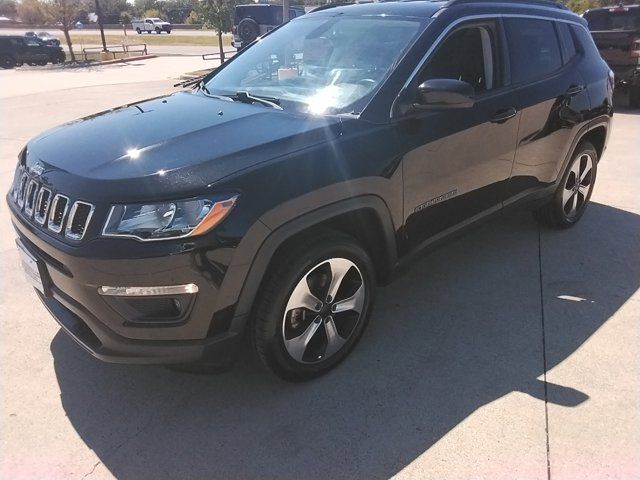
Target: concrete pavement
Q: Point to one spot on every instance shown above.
(513, 352)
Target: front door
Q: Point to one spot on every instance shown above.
(458, 161)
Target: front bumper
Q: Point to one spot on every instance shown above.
(106, 327)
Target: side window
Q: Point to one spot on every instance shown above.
(584, 41)
(534, 51)
(566, 42)
(468, 54)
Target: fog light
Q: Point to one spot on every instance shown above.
(148, 291)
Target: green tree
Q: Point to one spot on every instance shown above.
(8, 8)
(152, 12)
(32, 12)
(193, 18)
(63, 13)
(217, 14)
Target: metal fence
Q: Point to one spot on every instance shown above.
(116, 51)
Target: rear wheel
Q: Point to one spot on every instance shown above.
(572, 196)
(314, 307)
(7, 61)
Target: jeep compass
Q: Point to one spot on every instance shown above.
(267, 202)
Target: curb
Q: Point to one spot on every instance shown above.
(106, 62)
(196, 74)
(124, 60)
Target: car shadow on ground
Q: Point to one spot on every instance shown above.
(461, 329)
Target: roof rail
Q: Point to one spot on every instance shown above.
(327, 6)
(544, 3)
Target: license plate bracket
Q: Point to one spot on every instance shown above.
(34, 269)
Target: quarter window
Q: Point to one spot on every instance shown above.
(534, 51)
(467, 54)
(566, 41)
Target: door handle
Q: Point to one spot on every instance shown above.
(502, 116)
(575, 89)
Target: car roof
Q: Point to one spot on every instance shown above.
(418, 8)
(427, 8)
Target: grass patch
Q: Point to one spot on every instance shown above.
(206, 39)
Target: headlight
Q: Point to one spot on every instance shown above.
(167, 220)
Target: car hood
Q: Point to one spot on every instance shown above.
(182, 135)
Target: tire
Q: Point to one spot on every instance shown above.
(158, 30)
(138, 30)
(248, 30)
(278, 330)
(168, 32)
(634, 97)
(570, 200)
(41, 63)
(7, 62)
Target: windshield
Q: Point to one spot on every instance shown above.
(321, 64)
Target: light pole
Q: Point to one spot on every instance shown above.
(99, 13)
(285, 11)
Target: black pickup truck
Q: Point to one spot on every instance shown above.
(616, 31)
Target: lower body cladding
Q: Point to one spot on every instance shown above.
(169, 319)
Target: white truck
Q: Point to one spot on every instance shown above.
(150, 25)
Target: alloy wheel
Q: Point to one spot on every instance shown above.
(323, 310)
(578, 186)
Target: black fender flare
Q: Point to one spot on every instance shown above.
(272, 239)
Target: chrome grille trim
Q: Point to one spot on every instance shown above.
(55, 212)
(55, 208)
(22, 190)
(30, 198)
(68, 232)
(41, 211)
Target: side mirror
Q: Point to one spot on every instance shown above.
(444, 93)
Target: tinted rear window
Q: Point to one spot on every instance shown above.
(566, 41)
(534, 51)
(618, 18)
(263, 14)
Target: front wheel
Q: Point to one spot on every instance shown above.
(572, 196)
(138, 31)
(313, 307)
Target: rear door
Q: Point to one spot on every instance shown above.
(552, 96)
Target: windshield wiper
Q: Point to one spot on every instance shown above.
(246, 97)
(192, 81)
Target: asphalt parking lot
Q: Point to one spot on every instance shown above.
(513, 352)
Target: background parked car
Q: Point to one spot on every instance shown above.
(616, 31)
(17, 50)
(44, 38)
(151, 24)
(256, 19)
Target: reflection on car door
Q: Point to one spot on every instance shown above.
(458, 161)
(552, 94)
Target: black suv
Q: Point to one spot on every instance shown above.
(16, 50)
(269, 202)
(256, 19)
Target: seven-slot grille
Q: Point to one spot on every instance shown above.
(55, 212)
